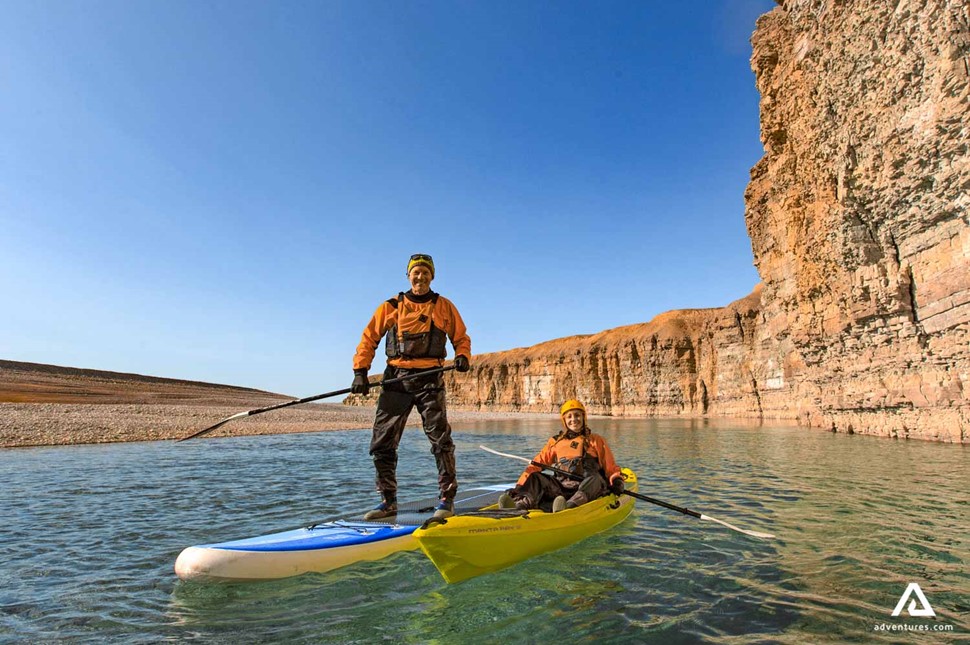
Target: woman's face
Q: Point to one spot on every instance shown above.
(420, 279)
(573, 420)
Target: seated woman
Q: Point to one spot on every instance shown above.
(575, 450)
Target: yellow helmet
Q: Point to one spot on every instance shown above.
(571, 404)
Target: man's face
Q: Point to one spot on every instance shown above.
(420, 279)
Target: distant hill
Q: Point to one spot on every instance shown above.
(39, 383)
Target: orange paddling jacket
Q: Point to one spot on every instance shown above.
(572, 454)
(416, 327)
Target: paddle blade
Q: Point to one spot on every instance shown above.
(504, 454)
(757, 534)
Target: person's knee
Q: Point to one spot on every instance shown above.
(593, 486)
(440, 437)
(384, 444)
(577, 499)
(383, 455)
(435, 424)
(443, 447)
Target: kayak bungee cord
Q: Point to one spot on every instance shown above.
(308, 399)
(679, 509)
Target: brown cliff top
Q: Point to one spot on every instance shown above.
(667, 326)
(39, 383)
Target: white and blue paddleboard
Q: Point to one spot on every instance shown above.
(319, 547)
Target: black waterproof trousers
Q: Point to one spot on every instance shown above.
(541, 489)
(393, 408)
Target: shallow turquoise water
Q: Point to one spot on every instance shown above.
(90, 534)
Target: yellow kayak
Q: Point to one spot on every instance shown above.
(465, 546)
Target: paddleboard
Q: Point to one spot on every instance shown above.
(319, 547)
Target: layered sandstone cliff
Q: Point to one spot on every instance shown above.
(695, 361)
(858, 212)
(858, 217)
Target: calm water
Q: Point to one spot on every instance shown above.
(90, 535)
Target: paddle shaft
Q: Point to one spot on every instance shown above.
(673, 507)
(308, 399)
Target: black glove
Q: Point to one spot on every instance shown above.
(461, 363)
(616, 486)
(361, 384)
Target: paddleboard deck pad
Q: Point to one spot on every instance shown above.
(321, 546)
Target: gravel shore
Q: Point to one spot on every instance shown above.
(50, 405)
(51, 424)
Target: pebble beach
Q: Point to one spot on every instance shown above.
(52, 424)
(48, 405)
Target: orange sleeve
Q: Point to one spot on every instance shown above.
(457, 332)
(379, 323)
(605, 456)
(546, 456)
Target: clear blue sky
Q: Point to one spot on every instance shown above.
(225, 191)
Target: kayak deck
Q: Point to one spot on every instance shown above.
(319, 547)
(469, 545)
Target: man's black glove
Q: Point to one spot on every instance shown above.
(361, 384)
(461, 363)
(616, 486)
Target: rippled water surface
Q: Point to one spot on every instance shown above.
(90, 534)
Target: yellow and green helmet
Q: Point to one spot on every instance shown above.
(420, 258)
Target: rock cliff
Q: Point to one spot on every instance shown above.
(858, 217)
(696, 361)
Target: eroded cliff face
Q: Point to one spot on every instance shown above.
(858, 217)
(858, 212)
(694, 361)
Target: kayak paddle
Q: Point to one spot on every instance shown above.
(327, 395)
(679, 509)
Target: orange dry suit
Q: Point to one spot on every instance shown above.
(416, 329)
(582, 453)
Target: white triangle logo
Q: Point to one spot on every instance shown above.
(925, 610)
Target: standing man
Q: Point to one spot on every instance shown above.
(415, 324)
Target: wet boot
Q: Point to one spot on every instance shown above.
(506, 502)
(386, 508)
(445, 508)
(578, 499)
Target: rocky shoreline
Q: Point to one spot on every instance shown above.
(49, 405)
(52, 424)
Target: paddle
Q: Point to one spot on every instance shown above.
(436, 370)
(679, 509)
